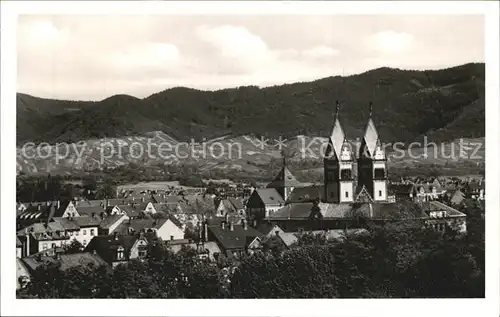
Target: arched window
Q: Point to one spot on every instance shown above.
(120, 253)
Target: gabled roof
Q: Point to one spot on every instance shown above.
(237, 203)
(270, 196)
(234, 239)
(110, 220)
(106, 246)
(363, 196)
(131, 211)
(284, 178)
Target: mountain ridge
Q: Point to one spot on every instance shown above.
(446, 103)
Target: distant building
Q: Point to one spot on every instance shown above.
(262, 202)
(118, 249)
(234, 240)
(164, 228)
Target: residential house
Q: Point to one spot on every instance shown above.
(441, 216)
(230, 205)
(476, 190)
(402, 191)
(89, 228)
(233, 240)
(35, 213)
(41, 236)
(263, 202)
(428, 191)
(164, 228)
(118, 249)
(204, 249)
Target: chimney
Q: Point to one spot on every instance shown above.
(371, 210)
(206, 232)
(38, 207)
(231, 226)
(58, 204)
(255, 223)
(244, 223)
(107, 203)
(142, 199)
(222, 224)
(115, 235)
(94, 252)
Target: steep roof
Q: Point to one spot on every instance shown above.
(270, 196)
(370, 139)
(337, 138)
(284, 178)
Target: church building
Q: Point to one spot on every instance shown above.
(355, 187)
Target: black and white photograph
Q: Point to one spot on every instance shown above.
(295, 153)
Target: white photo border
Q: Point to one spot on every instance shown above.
(319, 307)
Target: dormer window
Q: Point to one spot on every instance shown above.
(120, 253)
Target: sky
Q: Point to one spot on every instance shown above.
(84, 57)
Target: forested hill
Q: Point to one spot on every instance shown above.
(444, 104)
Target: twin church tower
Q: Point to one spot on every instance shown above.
(340, 183)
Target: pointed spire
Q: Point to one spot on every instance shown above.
(370, 106)
(337, 110)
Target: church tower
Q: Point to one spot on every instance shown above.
(338, 166)
(372, 163)
(284, 182)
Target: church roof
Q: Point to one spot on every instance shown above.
(337, 139)
(370, 140)
(382, 211)
(284, 178)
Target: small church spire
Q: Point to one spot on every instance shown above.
(337, 110)
(370, 107)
